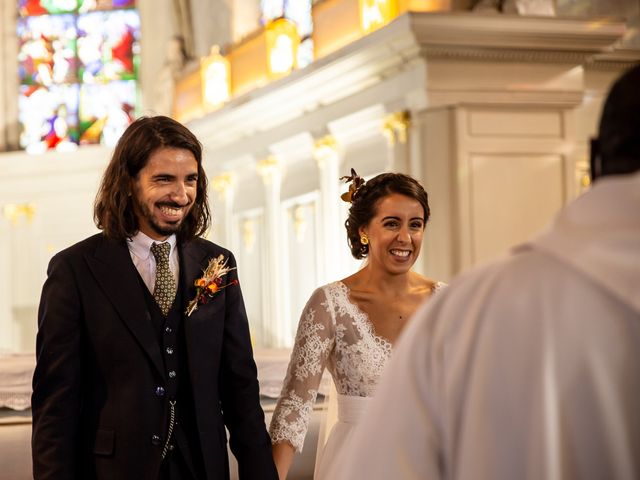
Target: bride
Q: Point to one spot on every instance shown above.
(350, 326)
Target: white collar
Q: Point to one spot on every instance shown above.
(140, 244)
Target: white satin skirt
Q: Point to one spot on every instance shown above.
(350, 410)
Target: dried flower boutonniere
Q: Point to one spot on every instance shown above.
(210, 283)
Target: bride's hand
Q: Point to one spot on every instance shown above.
(283, 458)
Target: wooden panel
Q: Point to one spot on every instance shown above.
(187, 103)
(509, 123)
(335, 24)
(249, 64)
(428, 5)
(512, 198)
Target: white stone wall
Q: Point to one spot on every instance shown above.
(487, 96)
(61, 189)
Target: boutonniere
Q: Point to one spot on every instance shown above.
(210, 283)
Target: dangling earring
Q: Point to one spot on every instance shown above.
(364, 240)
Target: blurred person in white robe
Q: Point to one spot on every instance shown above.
(527, 367)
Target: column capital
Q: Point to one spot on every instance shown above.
(298, 214)
(13, 211)
(325, 148)
(223, 183)
(395, 127)
(248, 233)
(269, 168)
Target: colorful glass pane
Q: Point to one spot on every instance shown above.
(305, 52)
(44, 7)
(108, 46)
(47, 49)
(271, 9)
(78, 61)
(300, 12)
(105, 111)
(48, 116)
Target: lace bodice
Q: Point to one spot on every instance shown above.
(335, 334)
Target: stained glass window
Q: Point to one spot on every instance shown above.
(298, 11)
(78, 66)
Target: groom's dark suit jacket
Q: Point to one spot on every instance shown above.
(96, 411)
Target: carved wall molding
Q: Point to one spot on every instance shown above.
(507, 32)
(504, 55)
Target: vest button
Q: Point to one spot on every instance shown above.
(172, 374)
(159, 392)
(156, 440)
(169, 350)
(169, 330)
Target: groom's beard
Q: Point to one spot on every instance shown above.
(146, 215)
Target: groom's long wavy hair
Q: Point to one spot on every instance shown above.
(113, 208)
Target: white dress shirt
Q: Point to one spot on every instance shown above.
(140, 250)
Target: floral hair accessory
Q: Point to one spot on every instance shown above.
(210, 283)
(356, 182)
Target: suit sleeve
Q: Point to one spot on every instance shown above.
(243, 415)
(56, 399)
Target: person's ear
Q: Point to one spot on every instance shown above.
(364, 238)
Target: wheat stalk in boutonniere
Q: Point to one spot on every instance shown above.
(210, 283)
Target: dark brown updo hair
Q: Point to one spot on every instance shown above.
(364, 203)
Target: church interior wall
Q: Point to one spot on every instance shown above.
(495, 126)
(57, 193)
(499, 142)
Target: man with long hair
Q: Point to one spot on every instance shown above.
(143, 347)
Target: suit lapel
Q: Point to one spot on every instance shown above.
(193, 263)
(194, 260)
(116, 274)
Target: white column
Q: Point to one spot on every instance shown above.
(224, 187)
(18, 292)
(277, 324)
(328, 156)
(396, 130)
(9, 129)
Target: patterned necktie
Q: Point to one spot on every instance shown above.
(164, 290)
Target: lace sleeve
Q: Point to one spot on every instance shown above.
(314, 341)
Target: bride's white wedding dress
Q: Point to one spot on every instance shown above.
(336, 334)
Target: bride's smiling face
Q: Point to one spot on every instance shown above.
(395, 233)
